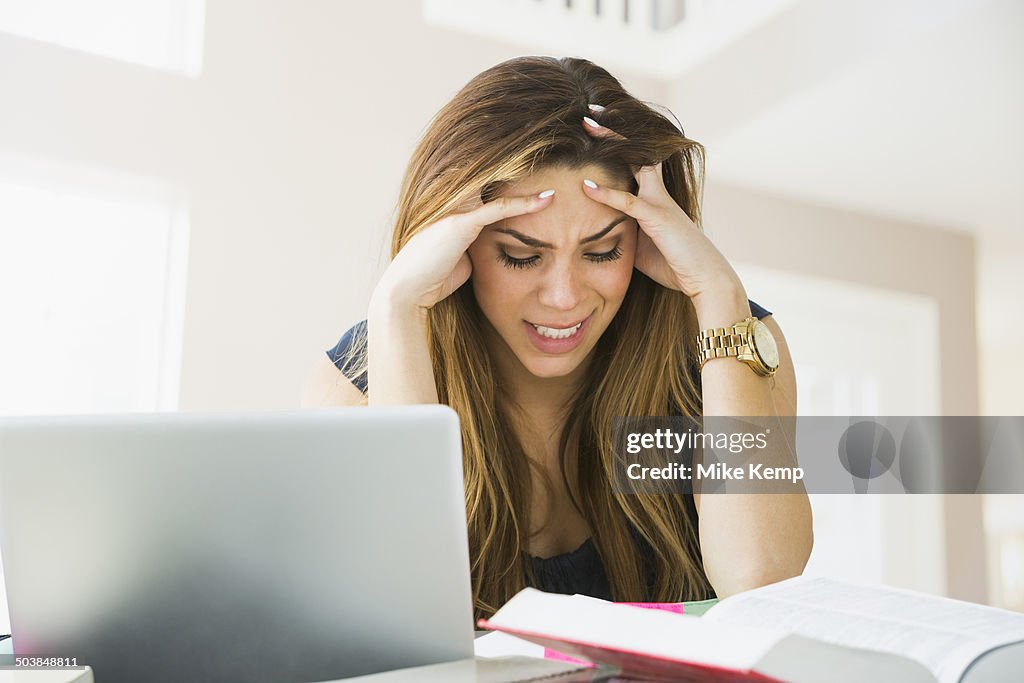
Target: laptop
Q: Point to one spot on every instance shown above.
(289, 547)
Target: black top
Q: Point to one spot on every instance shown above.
(578, 571)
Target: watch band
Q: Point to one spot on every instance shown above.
(719, 342)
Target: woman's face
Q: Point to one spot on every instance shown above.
(565, 266)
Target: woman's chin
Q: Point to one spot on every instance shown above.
(550, 373)
(550, 368)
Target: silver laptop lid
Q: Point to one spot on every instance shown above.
(285, 547)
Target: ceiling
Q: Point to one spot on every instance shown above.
(905, 109)
(926, 127)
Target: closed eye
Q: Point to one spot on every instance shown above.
(517, 263)
(612, 255)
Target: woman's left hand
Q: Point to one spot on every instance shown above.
(671, 249)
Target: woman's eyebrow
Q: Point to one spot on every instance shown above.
(538, 244)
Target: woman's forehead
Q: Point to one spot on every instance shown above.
(560, 178)
(571, 214)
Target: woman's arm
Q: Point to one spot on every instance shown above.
(399, 364)
(749, 540)
(327, 387)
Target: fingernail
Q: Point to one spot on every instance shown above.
(545, 194)
(590, 183)
(591, 122)
(596, 107)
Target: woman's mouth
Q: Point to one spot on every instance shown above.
(555, 338)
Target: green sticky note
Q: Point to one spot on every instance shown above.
(699, 607)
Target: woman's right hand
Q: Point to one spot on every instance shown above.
(434, 262)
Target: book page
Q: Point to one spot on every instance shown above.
(500, 644)
(656, 633)
(945, 635)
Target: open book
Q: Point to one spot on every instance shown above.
(800, 629)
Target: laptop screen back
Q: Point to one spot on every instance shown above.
(285, 547)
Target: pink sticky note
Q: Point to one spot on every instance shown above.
(675, 607)
(558, 656)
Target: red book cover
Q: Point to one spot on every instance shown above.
(674, 607)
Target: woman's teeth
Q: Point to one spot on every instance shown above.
(552, 333)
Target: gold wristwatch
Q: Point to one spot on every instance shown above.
(749, 341)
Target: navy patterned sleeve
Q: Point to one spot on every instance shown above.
(757, 311)
(352, 365)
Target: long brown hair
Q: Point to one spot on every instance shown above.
(507, 122)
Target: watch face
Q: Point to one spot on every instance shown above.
(764, 345)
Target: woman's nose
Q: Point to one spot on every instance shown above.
(560, 288)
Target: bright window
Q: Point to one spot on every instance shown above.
(163, 34)
(91, 300)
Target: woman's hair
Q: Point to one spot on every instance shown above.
(513, 119)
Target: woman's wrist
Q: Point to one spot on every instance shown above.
(721, 305)
(399, 366)
(388, 302)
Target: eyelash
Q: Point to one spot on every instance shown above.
(510, 262)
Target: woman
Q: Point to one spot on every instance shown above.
(549, 273)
